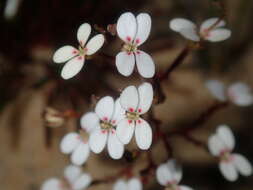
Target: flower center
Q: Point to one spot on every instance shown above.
(132, 115)
(106, 125)
(205, 33)
(130, 47)
(82, 51)
(172, 186)
(225, 156)
(65, 184)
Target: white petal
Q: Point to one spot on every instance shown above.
(50, 184)
(129, 98)
(228, 171)
(72, 172)
(95, 44)
(218, 35)
(163, 174)
(239, 93)
(64, 53)
(126, 27)
(226, 135)
(175, 170)
(118, 114)
(83, 33)
(210, 22)
(69, 143)
(125, 130)
(82, 182)
(80, 154)
(105, 108)
(190, 34)
(125, 63)
(145, 64)
(134, 184)
(178, 24)
(72, 67)
(120, 185)
(216, 145)
(115, 146)
(217, 89)
(143, 28)
(89, 121)
(11, 8)
(145, 97)
(143, 134)
(97, 140)
(242, 165)
(183, 187)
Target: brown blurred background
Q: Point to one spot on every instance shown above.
(30, 81)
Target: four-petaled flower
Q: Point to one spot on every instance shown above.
(134, 31)
(238, 93)
(74, 179)
(221, 144)
(136, 102)
(76, 57)
(210, 30)
(131, 184)
(169, 174)
(104, 121)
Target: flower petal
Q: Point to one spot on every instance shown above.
(210, 22)
(125, 63)
(95, 44)
(177, 24)
(72, 172)
(217, 35)
(72, 67)
(228, 171)
(143, 134)
(89, 121)
(145, 64)
(80, 154)
(50, 184)
(134, 184)
(83, 33)
(163, 174)
(125, 130)
(145, 97)
(129, 98)
(115, 146)
(64, 54)
(216, 145)
(242, 165)
(126, 27)
(97, 140)
(120, 185)
(143, 28)
(175, 170)
(69, 143)
(105, 108)
(82, 182)
(226, 135)
(190, 34)
(118, 114)
(183, 187)
(217, 89)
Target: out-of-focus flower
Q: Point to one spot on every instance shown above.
(76, 57)
(134, 31)
(169, 174)
(103, 123)
(211, 30)
(131, 184)
(11, 8)
(74, 179)
(136, 102)
(221, 144)
(53, 118)
(238, 93)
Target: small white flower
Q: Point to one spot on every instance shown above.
(134, 31)
(238, 93)
(131, 184)
(221, 144)
(190, 31)
(136, 102)
(107, 115)
(74, 179)
(169, 174)
(76, 57)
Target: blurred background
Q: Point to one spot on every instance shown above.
(30, 82)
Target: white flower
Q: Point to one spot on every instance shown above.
(134, 31)
(136, 102)
(169, 174)
(206, 31)
(131, 184)
(107, 115)
(76, 57)
(11, 8)
(74, 179)
(238, 93)
(221, 144)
